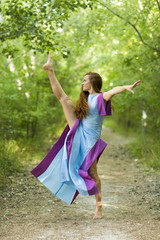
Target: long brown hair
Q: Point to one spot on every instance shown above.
(82, 107)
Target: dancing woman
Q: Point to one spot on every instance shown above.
(70, 168)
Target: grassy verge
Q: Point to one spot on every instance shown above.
(21, 154)
(9, 159)
(145, 147)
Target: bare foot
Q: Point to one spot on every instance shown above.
(98, 213)
(49, 65)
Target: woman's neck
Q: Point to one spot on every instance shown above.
(92, 92)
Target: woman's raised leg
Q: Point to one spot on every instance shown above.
(93, 173)
(67, 104)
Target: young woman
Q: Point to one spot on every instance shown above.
(70, 167)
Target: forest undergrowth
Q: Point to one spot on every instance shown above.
(144, 147)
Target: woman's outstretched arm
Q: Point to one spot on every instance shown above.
(109, 94)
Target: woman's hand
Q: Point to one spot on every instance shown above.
(130, 87)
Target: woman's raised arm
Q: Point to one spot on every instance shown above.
(109, 94)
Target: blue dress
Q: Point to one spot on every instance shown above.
(64, 170)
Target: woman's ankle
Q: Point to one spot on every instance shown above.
(98, 205)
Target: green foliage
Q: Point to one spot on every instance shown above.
(143, 147)
(37, 22)
(28, 104)
(147, 151)
(9, 152)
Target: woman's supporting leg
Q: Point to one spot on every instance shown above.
(58, 91)
(93, 173)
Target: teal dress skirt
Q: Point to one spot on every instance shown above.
(64, 170)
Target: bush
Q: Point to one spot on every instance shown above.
(144, 146)
(9, 159)
(147, 150)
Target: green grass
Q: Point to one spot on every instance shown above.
(111, 123)
(21, 154)
(146, 148)
(9, 159)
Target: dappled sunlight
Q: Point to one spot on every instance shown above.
(11, 65)
(107, 177)
(19, 83)
(109, 205)
(140, 4)
(27, 94)
(114, 175)
(32, 60)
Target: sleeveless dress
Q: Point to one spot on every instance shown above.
(64, 170)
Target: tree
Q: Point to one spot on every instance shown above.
(38, 22)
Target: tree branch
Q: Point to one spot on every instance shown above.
(158, 5)
(135, 28)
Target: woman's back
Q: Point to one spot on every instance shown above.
(92, 123)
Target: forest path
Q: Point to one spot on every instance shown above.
(130, 203)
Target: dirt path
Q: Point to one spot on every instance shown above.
(131, 203)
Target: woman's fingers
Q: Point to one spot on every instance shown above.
(136, 83)
(131, 91)
(130, 87)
